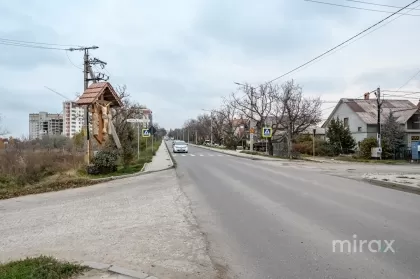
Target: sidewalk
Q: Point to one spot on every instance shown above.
(237, 153)
(162, 160)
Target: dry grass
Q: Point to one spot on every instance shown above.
(25, 172)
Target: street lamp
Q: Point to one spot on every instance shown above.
(211, 125)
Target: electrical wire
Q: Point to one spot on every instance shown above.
(343, 43)
(355, 40)
(357, 8)
(375, 4)
(35, 43)
(410, 79)
(29, 45)
(72, 61)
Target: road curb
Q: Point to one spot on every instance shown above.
(174, 164)
(241, 156)
(393, 185)
(118, 270)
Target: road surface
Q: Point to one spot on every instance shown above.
(280, 220)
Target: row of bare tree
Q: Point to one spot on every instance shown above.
(284, 108)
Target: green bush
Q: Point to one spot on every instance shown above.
(127, 155)
(104, 162)
(322, 148)
(366, 146)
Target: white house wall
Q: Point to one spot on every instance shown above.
(344, 111)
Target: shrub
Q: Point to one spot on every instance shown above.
(366, 147)
(104, 162)
(322, 148)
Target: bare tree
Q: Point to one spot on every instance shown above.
(299, 112)
(231, 124)
(125, 130)
(262, 107)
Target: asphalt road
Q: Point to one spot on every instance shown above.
(279, 220)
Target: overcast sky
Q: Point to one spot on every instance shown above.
(178, 57)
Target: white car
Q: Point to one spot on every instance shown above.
(180, 146)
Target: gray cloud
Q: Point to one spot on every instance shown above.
(25, 29)
(265, 29)
(386, 78)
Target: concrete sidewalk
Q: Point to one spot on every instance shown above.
(237, 153)
(143, 224)
(162, 160)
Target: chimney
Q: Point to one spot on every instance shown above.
(418, 104)
(367, 96)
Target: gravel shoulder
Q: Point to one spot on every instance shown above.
(142, 223)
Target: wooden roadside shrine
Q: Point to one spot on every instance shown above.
(99, 98)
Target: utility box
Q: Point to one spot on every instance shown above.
(376, 152)
(415, 150)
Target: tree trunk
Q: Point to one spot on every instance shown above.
(289, 142)
(270, 147)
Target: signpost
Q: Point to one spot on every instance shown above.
(145, 133)
(138, 121)
(266, 133)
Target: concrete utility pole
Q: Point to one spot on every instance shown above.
(211, 128)
(188, 131)
(313, 142)
(196, 135)
(379, 104)
(87, 69)
(251, 137)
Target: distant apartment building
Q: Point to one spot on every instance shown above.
(44, 123)
(72, 118)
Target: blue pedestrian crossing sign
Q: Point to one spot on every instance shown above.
(266, 132)
(145, 133)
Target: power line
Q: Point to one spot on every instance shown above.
(410, 79)
(357, 8)
(72, 62)
(341, 44)
(36, 43)
(355, 40)
(29, 46)
(375, 4)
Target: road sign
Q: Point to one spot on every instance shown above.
(145, 133)
(266, 132)
(251, 131)
(134, 120)
(138, 120)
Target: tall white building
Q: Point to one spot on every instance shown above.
(72, 118)
(44, 123)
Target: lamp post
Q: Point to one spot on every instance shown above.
(211, 125)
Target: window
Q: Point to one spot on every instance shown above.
(346, 122)
(359, 129)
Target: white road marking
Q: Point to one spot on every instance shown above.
(220, 155)
(183, 155)
(211, 155)
(192, 155)
(201, 155)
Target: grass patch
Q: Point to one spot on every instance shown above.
(146, 156)
(51, 184)
(25, 176)
(40, 268)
